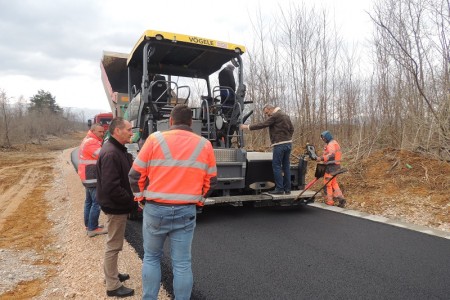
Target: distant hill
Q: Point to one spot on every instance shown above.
(84, 114)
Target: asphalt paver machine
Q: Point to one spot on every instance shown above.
(165, 69)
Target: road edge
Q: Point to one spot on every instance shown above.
(385, 220)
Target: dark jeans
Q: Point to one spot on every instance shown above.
(91, 209)
(228, 98)
(281, 167)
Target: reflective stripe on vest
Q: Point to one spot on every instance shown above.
(171, 196)
(168, 154)
(169, 161)
(89, 181)
(87, 161)
(175, 163)
(138, 195)
(190, 162)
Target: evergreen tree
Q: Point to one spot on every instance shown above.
(44, 101)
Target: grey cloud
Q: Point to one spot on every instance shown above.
(47, 39)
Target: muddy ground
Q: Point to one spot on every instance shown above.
(396, 184)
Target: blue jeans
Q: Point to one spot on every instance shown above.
(282, 167)
(91, 209)
(177, 223)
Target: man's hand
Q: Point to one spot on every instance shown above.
(141, 204)
(244, 126)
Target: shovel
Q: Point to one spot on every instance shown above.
(319, 174)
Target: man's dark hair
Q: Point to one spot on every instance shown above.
(117, 122)
(181, 115)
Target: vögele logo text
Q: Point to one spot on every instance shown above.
(196, 40)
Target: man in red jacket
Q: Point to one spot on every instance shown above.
(173, 173)
(87, 160)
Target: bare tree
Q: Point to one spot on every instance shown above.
(6, 118)
(295, 64)
(412, 36)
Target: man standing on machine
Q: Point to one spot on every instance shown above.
(280, 132)
(227, 99)
(227, 86)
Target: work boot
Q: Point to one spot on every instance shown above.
(341, 201)
(120, 292)
(276, 192)
(329, 202)
(99, 226)
(98, 231)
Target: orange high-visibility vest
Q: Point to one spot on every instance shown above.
(174, 167)
(87, 159)
(332, 153)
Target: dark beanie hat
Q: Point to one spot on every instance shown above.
(327, 136)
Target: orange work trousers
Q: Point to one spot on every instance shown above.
(332, 188)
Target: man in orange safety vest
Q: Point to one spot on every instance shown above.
(173, 173)
(332, 158)
(87, 160)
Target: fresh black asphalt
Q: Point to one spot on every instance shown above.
(308, 253)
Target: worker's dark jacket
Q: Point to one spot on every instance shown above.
(280, 127)
(226, 79)
(114, 194)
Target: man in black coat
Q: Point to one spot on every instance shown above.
(116, 200)
(227, 87)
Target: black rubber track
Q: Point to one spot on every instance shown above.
(74, 158)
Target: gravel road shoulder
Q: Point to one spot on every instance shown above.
(70, 264)
(80, 272)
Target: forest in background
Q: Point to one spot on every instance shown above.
(32, 121)
(394, 91)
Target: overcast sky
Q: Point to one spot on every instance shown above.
(56, 45)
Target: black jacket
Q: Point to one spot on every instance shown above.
(113, 188)
(226, 79)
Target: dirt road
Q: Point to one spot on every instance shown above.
(24, 230)
(26, 175)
